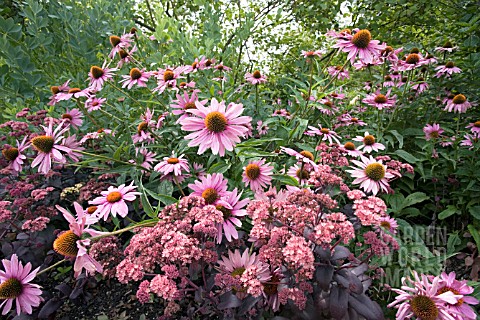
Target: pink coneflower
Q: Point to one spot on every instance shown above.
(119, 43)
(272, 287)
(57, 91)
(348, 120)
(257, 174)
(74, 146)
(70, 243)
(173, 165)
(197, 65)
(222, 68)
(311, 54)
(474, 127)
(460, 310)
(372, 175)
(303, 156)
(73, 117)
(360, 44)
(337, 96)
(94, 103)
(412, 61)
(198, 170)
(146, 158)
(15, 154)
(447, 47)
(282, 113)
(211, 188)
(300, 173)
(418, 298)
(262, 128)
(98, 76)
(380, 101)
(183, 103)
(167, 78)
(339, 72)
(350, 149)
(143, 129)
(15, 285)
(389, 224)
(470, 140)
(216, 127)
(420, 86)
(49, 147)
(113, 201)
(125, 56)
(343, 34)
(327, 107)
(231, 208)
(74, 93)
(369, 143)
(390, 54)
(388, 81)
(96, 135)
(186, 85)
(360, 65)
(430, 59)
(325, 133)
(448, 69)
(256, 77)
(458, 104)
(432, 131)
(136, 77)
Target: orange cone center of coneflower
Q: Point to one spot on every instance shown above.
(210, 195)
(114, 196)
(339, 68)
(67, 116)
(413, 58)
(328, 104)
(454, 291)
(307, 154)
(324, 130)
(216, 122)
(43, 143)
(362, 38)
(135, 74)
(168, 75)
(195, 65)
(449, 65)
(133, 30)
(387, 50)
(434, 134)
(91, 209)
(369, 140)
(238, 271)
(10, 288)
(424, 308)
(271, 287)
(388, 78)
(349, 146)
(114, 40)
(10, 153)
(302, 174)
(173, 161)
(252, 171)
(385, 225)
(421, 79)
(123, 54)
(429, 56)
(74, 90)
(375, 171)
(100, 131)
(143, 126)
(448, 45)
(190, 105)
(380, 98)
(54, 89)
(208, 63)
(404, 79)
(348, 31)
(309, 53)
(227, 213)
(459, 99)
(477, 124)
(66, 244)
(182, 84)
(257, 74)
(354, 119)
(96, 72)
(95, 103)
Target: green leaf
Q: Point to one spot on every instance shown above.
(219, 167)
(399, 137)
(475, 234)
(416, 197)
(475, 212)
(406, 156)
(447, 212)
(285, 179)
(411, 212)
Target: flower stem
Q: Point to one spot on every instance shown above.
(111, 159)
(143, 224)
(51, 267)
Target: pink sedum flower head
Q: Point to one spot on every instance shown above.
(257, 175)
(380, 101)
(49, 148)
(15, 155)
(462, 309)
(184, 103)
(256, 77)
(173, 165)
(447, 70)
(231, 207)
(361, 44)
(15, 286)
(458, 104)
(210, 187)
(369, 143)
(216, 127)
(73, 117)
(419, 298)
(372, 175)
(114, 201)
(432, 131)
(136, 77)
(98, 76)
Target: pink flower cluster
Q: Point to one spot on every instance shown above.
(370, 210)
